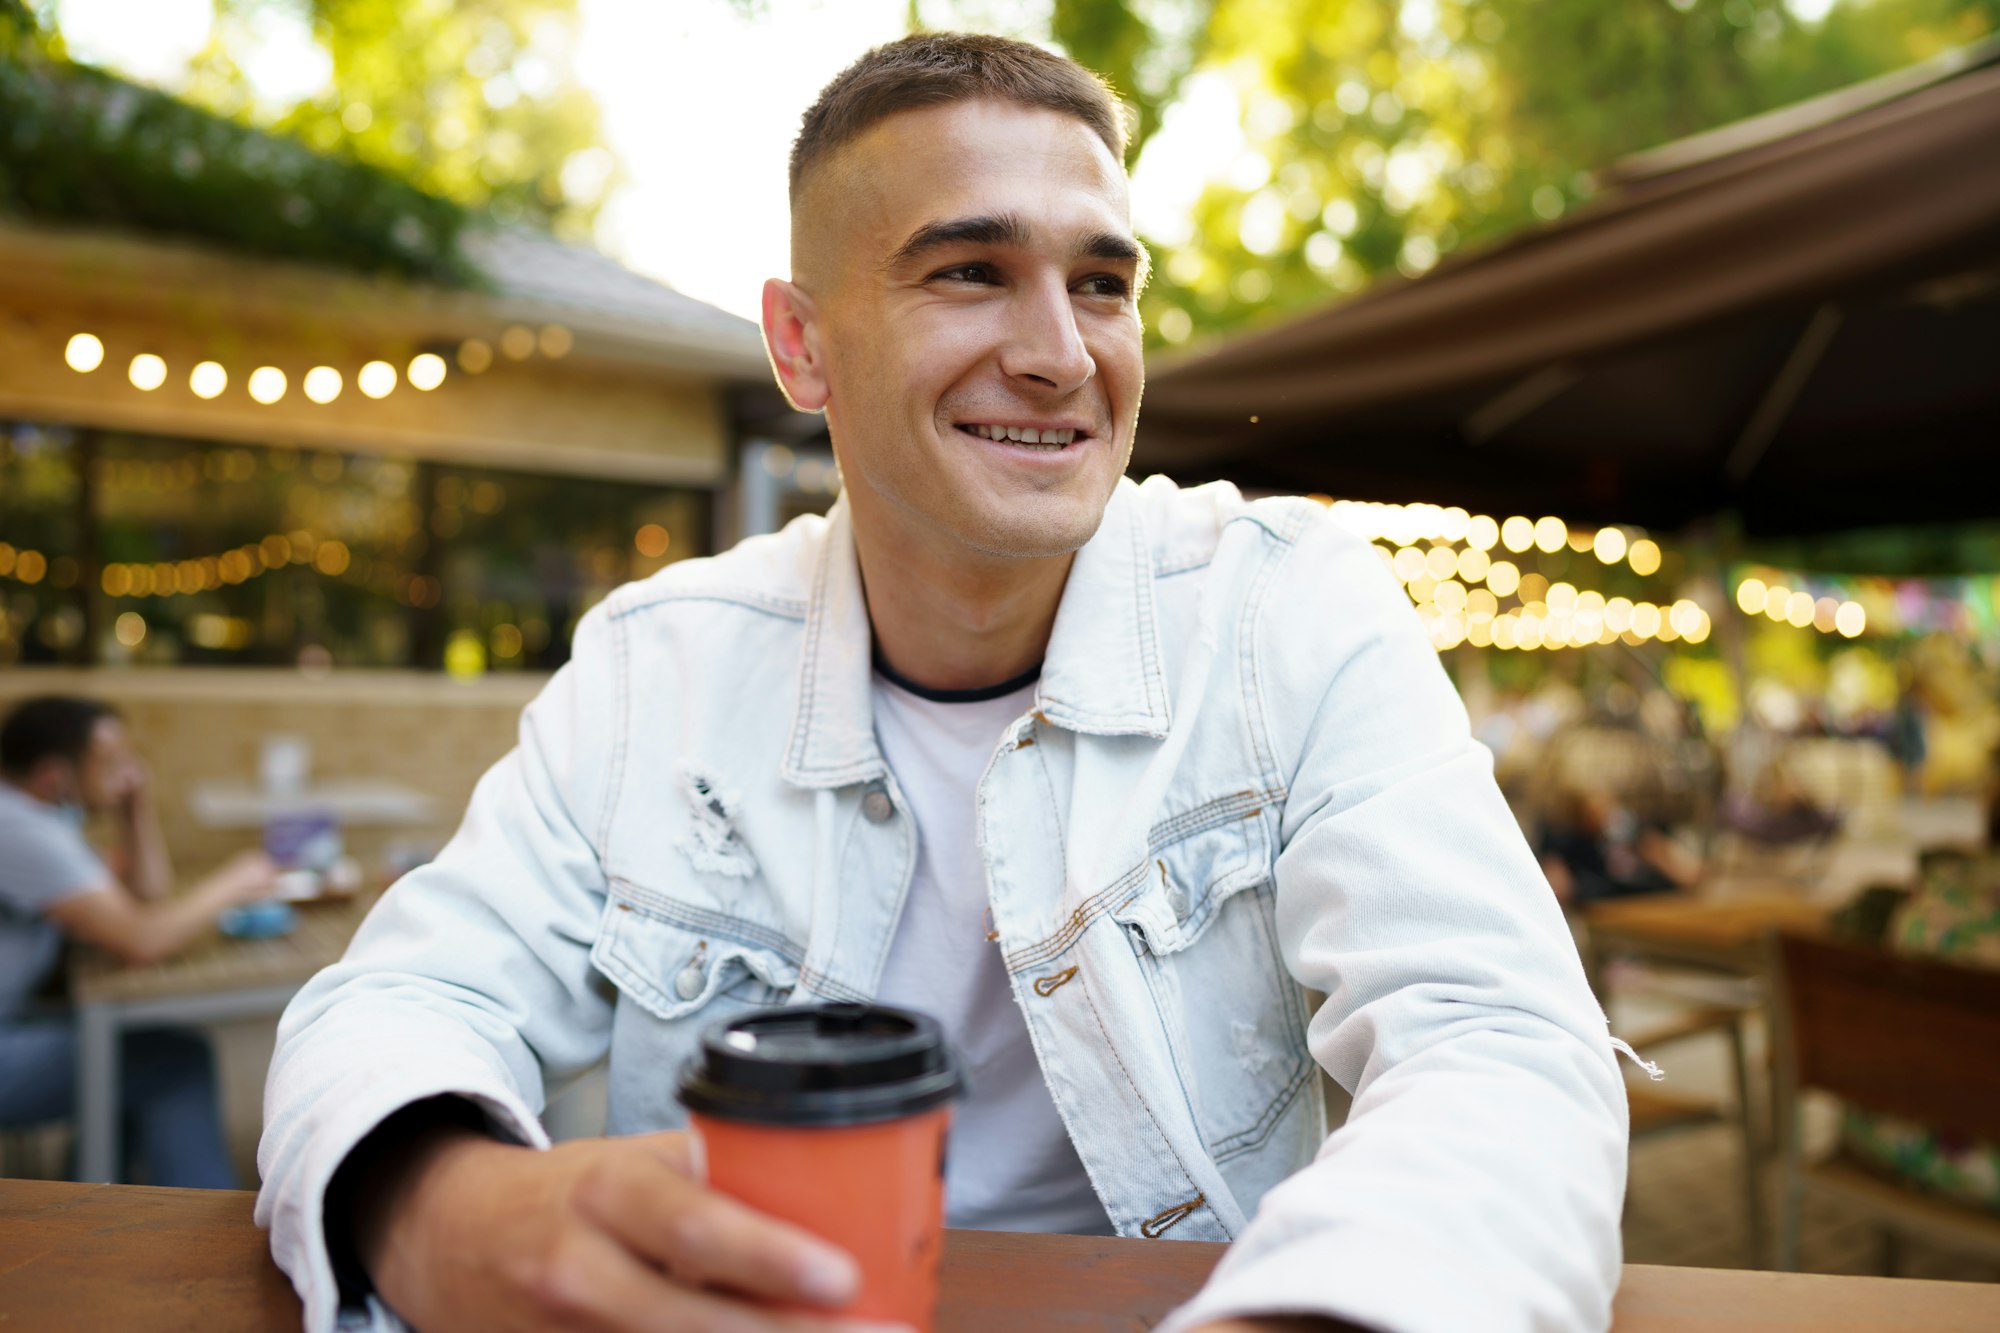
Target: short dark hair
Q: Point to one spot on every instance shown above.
(48, 726)
(935, 68)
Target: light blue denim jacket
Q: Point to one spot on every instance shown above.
(1246, 776)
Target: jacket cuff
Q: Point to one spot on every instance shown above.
(292, 1204)
(1390, 1284)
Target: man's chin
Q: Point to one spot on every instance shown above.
(1045, 527)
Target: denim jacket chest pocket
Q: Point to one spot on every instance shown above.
(1202, 925)
(675, 958)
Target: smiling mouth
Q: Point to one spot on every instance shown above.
(1051, 440)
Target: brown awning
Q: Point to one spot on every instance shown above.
(1802, 327)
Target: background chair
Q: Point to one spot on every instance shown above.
(1900, 1035)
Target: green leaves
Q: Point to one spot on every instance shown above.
(77, 145)
(1420, 127)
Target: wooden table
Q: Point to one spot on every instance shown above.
(133, 1259)
(1714, 933)
(217, 980)
(1721, 932)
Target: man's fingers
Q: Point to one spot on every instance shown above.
(591, 1282)
(675, 1147)
(707, 1239)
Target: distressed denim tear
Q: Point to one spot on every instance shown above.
(711, 841)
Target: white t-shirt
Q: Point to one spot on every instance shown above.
(1010, 1165)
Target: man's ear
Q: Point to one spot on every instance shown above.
(55, 780)
(791, 338)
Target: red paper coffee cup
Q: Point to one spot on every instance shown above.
(834, 1117)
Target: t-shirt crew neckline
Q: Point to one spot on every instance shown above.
(984, 694)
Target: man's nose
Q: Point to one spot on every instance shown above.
(1045, 345)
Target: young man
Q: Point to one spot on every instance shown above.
(62, 759)
(1100, 774)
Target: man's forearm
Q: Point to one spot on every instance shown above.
(164, 928)
(148, 871)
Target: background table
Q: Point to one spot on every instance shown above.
(354, 802)
(217, 980)
(138, 1260)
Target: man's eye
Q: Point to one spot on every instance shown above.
(1106, 284)
(965, 273)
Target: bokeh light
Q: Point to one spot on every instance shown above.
(208, 379)
(147, 372)
(376, 380)
(426, 371)
(84, 353)
(322, 384)
(267, 384)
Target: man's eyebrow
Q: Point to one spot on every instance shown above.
(1008, 229)
(991, 229)
(1116, 245)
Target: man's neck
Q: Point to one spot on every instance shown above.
(26, 790)
(955, 620)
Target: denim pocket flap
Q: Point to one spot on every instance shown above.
(1189, 880)
(672, 958)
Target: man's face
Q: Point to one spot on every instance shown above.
(973, 278)
(109, 769)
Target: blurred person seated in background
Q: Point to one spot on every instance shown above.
(1954, 914)
(62, 760)
(1779, 811)
(1594, 848)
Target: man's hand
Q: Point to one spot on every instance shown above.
(244, 878)
(460, 1232)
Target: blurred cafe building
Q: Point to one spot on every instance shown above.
(247, 496)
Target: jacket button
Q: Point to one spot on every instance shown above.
(689, 983)
(877, 806)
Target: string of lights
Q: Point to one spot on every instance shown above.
(85, 353)
(1443, 556)
(1785, 604)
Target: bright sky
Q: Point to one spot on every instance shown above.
(700, 104)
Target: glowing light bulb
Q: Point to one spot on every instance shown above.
(1609, 545)
(1482, 534)
(147, 372)
(377, 379)
(1751, 596)
(84, 353)
(267, 384)
(1644, 557)
(426, 371)
(1551, 534)
(1851, 619)
(1517, 534)
(208, 379)
(322, 384)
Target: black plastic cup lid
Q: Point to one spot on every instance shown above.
(821, 1065)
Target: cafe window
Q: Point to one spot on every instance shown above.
(121, 548)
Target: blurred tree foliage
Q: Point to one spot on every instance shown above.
(1385, 134)
(80, 145)
(472, 100)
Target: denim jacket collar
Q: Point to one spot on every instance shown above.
(1103, 674)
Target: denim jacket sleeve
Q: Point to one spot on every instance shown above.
(471, 977)
(1479, 1178)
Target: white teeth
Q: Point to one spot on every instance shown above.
(1028, 435)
